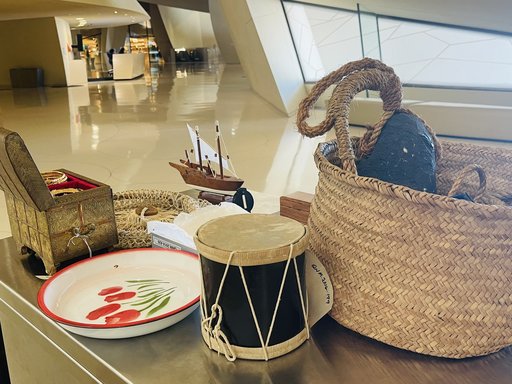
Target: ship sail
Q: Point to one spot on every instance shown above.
(207, 152)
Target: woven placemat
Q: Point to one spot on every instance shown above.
(134, 208)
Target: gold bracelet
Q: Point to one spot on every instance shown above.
(64, 191)
(54, 177)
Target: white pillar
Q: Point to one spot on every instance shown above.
(262, 40)
(223, 34)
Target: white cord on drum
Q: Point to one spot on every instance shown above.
(256, 323)
(305, 310)
(279, 295)
(215, 331)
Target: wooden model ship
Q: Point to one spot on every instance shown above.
(201, 173)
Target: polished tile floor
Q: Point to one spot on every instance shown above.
(124, 133)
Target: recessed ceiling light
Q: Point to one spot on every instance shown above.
(115, 11)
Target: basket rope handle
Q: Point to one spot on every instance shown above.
(457, 183)
(335, 77)
(350, 79)
(372, 79)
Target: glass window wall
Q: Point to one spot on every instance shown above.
(421, 53)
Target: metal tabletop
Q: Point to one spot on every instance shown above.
(178, 354)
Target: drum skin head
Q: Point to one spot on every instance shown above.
(255, 238)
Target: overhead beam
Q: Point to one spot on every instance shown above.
(193, 5)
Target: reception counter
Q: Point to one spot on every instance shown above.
(40, 351)
(128, 65)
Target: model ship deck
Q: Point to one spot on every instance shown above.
(201, 173)
(193, 175)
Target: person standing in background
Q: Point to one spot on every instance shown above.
(110, 58)
(110, 55)
(88, 57)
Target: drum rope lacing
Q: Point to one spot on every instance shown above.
(216, 311)
(216, 332)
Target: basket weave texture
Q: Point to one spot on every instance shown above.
(419, 271)
(131, 225)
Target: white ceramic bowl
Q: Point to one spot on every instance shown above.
(123, 294)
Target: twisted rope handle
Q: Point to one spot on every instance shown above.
(352, 78)
(321, 86)
(464, 174)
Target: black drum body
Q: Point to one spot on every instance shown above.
(263, 284)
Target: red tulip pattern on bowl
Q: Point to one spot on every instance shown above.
(139, 298)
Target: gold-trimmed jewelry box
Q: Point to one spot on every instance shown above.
(55, 228)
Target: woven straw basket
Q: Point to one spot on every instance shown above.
(131, 221)
(419, 271)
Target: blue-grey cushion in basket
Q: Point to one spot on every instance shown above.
(404, 154)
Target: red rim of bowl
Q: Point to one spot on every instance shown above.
(48, 312)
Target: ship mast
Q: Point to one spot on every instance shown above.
(199, 149)
(218, 149)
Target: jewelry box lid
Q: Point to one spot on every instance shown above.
(19, 174)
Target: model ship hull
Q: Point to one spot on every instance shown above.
(195, 176)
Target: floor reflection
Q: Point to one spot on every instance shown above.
(124, 133)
